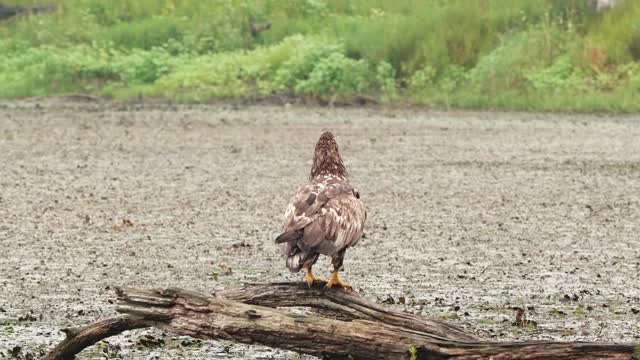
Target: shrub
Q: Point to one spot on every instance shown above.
(561, 76)
(332, 75)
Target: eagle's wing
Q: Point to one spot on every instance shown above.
(339, 225)
(306, 205)
(326, 206)
(321, 219)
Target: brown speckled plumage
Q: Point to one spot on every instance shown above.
(326, 215)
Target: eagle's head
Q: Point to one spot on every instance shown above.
(326, 158)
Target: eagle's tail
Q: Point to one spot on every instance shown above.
(289, 237)
(301, 260)
(297, 259)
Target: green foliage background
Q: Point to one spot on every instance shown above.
(497, 54)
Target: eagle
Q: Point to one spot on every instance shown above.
(324, 217)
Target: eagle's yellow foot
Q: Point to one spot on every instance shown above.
(335, 280)
(309, 278)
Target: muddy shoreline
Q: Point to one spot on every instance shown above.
(470, 215)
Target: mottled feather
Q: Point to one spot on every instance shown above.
(325, 216)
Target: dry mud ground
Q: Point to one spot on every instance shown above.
(470, 214)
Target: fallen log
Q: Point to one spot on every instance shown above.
(343, 305)
(344, 326)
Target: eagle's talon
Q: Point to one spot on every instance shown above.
(309, 278)
(336, 281)
(343, 286)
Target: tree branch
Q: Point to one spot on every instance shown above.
(79, 338)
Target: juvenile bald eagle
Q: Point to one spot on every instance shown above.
(324, 217)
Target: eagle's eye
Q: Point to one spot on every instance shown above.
(356, 194)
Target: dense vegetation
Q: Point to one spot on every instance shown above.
(504, 54)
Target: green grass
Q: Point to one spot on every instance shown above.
(495, 54)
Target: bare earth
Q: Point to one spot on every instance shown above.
(470, 215)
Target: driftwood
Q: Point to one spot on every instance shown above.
(343, 326)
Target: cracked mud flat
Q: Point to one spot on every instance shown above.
(470, 215)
